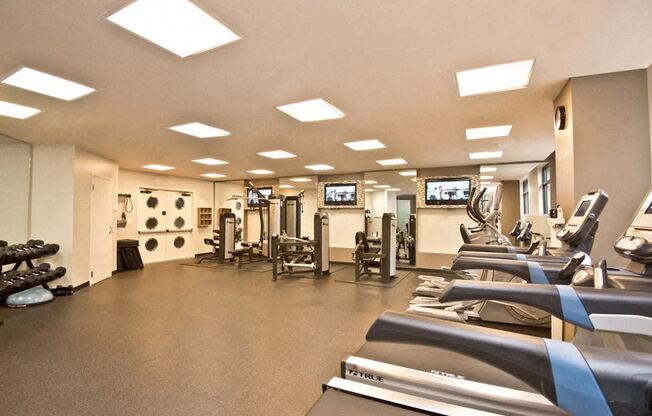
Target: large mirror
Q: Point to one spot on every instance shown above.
(393, 192)
(15, 160)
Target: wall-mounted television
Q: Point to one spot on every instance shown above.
(448, 191)
(253, 199)
(340, 194)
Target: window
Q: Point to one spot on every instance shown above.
(545, 189)
(525, 197)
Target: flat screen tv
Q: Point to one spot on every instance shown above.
(450, 191)
(340, 194)
(252, 197)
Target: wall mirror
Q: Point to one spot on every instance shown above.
(15, 159)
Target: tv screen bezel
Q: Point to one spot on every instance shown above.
(261, 189)
(341, 203)
(444, 203)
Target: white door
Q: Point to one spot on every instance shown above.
(151, 211)
(101, 244)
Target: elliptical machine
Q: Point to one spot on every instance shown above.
(487, 231)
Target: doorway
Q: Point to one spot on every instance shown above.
(101, 241)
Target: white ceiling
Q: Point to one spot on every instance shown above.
(389, 65)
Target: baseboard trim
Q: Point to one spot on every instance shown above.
(82, 286)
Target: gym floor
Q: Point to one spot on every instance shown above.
(181, 340)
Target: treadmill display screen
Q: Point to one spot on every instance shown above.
(584, 206)
(649, 209)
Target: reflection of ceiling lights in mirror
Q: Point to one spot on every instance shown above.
(365, 145)
(486, 177)
(382, 186)
(393, 189)
(260, 171)
(486, 155)
(213, 175)
(487, 169)
(312, 110)
(277, 154)
(42, 83)
(158, 167)
(210, 161)
(369, 190)
(176, 25)
(413, 179)
(17, 111)
(488, 132)
(370, 182)
(391, 162)
(408, 173)
(285, 186)
(301, 179)
(201, 130)
(494, 78)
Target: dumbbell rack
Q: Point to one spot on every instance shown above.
(16, 281)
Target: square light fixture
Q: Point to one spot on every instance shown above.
(176, 25)
(393, 189)
(319, 167)
(382, 186)
(17, 111)
(488, 132)
(213, 175)
(487, 169)
(260, 171)
(301, 179)
(201, 130)
(285, 186)
(413, 179)
(369, 190)
(46, 84)
(210, 161)
(365, 145)
(277, 154)
(495, 78)
(486, 177)
(158, 167)
(370, 182)
(312, 110)
(391, 162)
(408, 173)
(486, 155)
(484, 184)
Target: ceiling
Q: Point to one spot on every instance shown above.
(393, 179)
(389, 65)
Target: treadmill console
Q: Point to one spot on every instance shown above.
(636, 243)
(584, 217)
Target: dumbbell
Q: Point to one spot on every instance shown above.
(3, 243)
(35, 243)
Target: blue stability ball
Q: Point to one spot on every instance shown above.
(32, 296)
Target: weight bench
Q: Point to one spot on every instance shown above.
(247, 250)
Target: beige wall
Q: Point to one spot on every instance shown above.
(202, 194)
(609, 144)
(15, 158)
(510, 209)
(564, 153)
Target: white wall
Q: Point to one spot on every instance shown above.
(15, 185)
(649, 104)
(52, 207)
(438, 230)
(202, 194)
(343, 224)
(86, 166)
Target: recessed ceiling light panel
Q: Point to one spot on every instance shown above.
(17, 111)
(391, 162)
(210, 161)
(408, 173)
(260, 171)
(382, 186)
(213, 175)
(46, 84)
(495, 78)
(286, 186)
(319, 167)
(301, 179)
(312, 110)
(486, 155)
(201, 130)
(176, 25)
(488, 132)
(393, 189)
(277, 154)
(365, 145)
(158, 167)
(486, 177)
(487, 169)
(370, 182)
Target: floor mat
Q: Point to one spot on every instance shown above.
(349, 277)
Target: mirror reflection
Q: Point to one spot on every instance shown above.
(15, 159)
